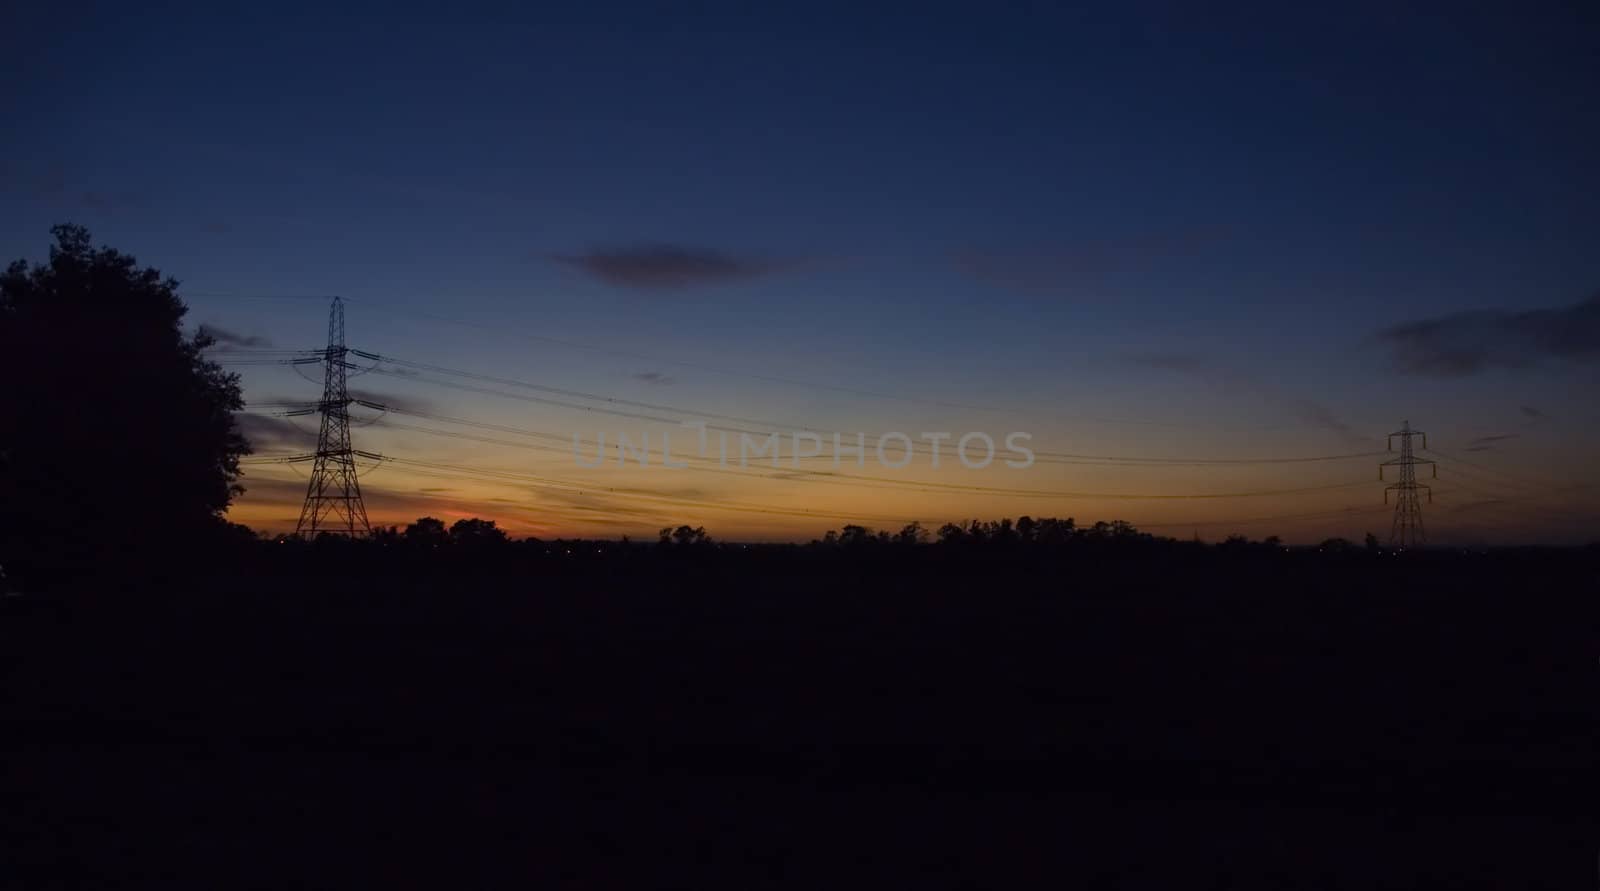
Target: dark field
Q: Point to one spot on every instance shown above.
(1162, 719)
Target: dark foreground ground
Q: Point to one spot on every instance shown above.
(784, 720)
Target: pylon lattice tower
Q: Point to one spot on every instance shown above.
(1407, 531)
(333, 497)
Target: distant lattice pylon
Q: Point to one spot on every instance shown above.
(333, 497)
(1407, 531)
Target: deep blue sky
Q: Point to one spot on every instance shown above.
(1175, 214)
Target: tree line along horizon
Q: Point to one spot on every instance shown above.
(475, 532)
(99, 366)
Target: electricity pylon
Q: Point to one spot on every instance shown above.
(333, 497)
(1407, 530)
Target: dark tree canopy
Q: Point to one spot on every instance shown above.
(114, 427)
(427, 532)
(474, 532)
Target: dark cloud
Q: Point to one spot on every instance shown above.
(226, 340)
(1467, 343)
(1184, 362)
(267, 433)
(583, 505)
(300, 400)
(435, 489)
(262, 490)
(1219, 375)
(398, 401)
(1472, 506)
(1483, 443)
(1318, 415)
(384, 506)
(654, 377)
(665, 266)
(1529, 411)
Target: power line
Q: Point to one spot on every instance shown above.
(335, 465)
(864, 480)
(917, 485)
(788, 381)
(1353, 511)
(1493, 470)
(491, 475)
(1043, 456)
(1097, 461)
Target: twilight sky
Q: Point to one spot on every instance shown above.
(1142, 232)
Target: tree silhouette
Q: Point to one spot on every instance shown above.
(427, 532)
(912, 534)
(855, 536)
(685, 536)
(109, 411)
(474, 532)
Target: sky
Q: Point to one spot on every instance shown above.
(1177, 243)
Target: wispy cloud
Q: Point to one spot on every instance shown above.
(598, 503)
(585, 505)
(1226, 377)
(226, 340)
(400, 401)
(268, 433)
(397, 401)
(272, 502)
(1467, 343)
(654, 377)
(1476, 506)
(1529, 411)
(667, 267)
(1485, 443)
(400, 370)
